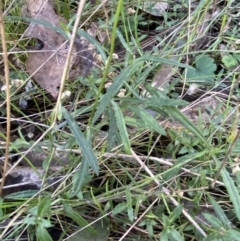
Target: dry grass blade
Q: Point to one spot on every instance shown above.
(167, 192)
(8, 103)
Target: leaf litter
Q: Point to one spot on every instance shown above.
(46, 65)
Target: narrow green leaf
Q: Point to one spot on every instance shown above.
(121, 127)
(112, 134)
(232, 191)
(44, 206)
(182, 119)
(93, 41)
(164, 236)
(176, 235)
(150, 223)
(123, 42)
(175, 213)
(153, 58)
(126, 73)
(220, 213)
(30, 220)
(181, 161)
(45, 223)
(22, 194)
(119, 208)
(76, 217)
(129, 197)
(42, 234)
(82, 142)
(149, 120)
(130, 213)
(213, 220)
(155, 101)
(80, 177)
(234, 234)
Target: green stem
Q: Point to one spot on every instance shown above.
(118, 12)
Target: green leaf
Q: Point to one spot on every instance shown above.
(175, 213)
(149, 120)
(76, 217)
(232, 191)
(123, 42)
(164, 236)
(80, 178)
(119, 208)
(236, 56)
(213, 220)
(101, 233)
(21, 194)
(182, 119)
(150, 223)
(128, 196)
(130, 213)
(220, 213)
(181, 161)
(82, 142)
(229, 61)
(44, 206)
(234, 234)
(42, 234)
(176, 235)
(45, 223)
(126, 73)
(204, 71)
(96, 44)
(113, 132)
(121, 127)
(162, 102)
(30, 220)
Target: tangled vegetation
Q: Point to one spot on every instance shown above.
(119, 120)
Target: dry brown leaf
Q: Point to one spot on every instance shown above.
(55, 48)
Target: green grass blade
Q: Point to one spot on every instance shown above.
(232, 191)
(121, 126)
(82, 142)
